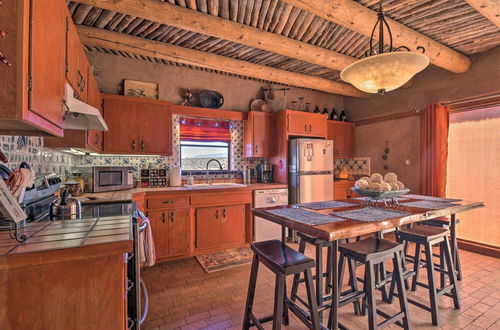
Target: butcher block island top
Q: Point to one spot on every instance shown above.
(65, 240)
(341, 227)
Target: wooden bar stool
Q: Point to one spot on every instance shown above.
(319, 244)
(282, 261)
(372, 252)
(445, 223)
(427, 237)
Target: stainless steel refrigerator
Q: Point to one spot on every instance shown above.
(310, 170)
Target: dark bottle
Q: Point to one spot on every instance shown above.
(325, 112)
(343, 116)
(334, 115)
(316, 110)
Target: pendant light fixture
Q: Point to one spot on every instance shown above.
(383, 71)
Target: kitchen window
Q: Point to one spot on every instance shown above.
(203, 140)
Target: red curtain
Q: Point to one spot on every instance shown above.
(204, 130)
(434, 150)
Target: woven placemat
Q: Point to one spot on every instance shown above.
(325, 205)
(305, 217)
(432, 198)
(370, 214)
(431, 205)
(383, 199)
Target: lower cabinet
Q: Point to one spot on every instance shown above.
(219, 225)
(170, 231)
(342, 190)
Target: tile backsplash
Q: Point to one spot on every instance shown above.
(355, 166)
(30, 149)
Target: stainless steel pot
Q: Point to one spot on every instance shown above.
(65, 208)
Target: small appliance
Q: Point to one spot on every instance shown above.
(264, 229)
(265, 173)
(108, 178)
(65, 207)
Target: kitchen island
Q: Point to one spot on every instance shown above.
(66, 275)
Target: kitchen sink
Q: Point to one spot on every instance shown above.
(215, 186)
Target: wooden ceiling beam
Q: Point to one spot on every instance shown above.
(361, 19)
(94, 37)
(488, 8)
(191, 20)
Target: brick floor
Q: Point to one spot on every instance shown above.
(183, 296)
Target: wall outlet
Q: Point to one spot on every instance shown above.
(407, 161)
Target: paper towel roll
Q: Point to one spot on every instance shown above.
(175, 176)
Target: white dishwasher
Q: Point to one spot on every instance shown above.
(264, 229)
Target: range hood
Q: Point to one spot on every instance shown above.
(80, 115)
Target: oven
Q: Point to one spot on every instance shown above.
(108, 178)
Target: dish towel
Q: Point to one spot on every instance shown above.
(147, 251)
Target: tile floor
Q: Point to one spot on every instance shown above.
(183, 296)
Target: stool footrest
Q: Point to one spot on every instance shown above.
(304, 316)
(390, 319)
(258, 322)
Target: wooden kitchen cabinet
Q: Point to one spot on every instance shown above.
(306, 124)
(342, 133)
(77, 65)
(85, 140)
(170, 231)
(137, 126)
(342, 189)
(259, 134)
(218, 226)
(32, 88)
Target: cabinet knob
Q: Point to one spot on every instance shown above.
(256, 148)
(224, 214)
(172, 218)
(310, 128)
(142, 145)
(305, 128)
(163, 217)
(217, 214)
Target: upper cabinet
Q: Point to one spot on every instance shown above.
(259, 134)
(306, 124)
(137, 126)
(32, 88)
(342, 134)
(77, 65)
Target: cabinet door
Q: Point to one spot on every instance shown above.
(208, 227)
(178, 231)
(121, 118)
(159, 226)
(73, 46)
(345, 147)
(154, 123)
(262, 135)
(47, 59)
(94, 138)
(339, 191)
(233, 224)
(298, 124)
(83, 72)
(318, 126)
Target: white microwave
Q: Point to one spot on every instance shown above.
(108, 178)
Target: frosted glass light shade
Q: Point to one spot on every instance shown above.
(385, 72)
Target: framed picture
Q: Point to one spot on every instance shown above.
(140, 89)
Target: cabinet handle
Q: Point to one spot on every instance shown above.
(172, 218)
(142, 145)
(163, 217)
(305, 128)
(133, 144)
(256, 148)
(96, 138)
(224, 215)
(168, 202)
(3, 59)
(310, 128)
(217, 214)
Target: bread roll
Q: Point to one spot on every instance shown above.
(366, 178)
(376, 178)
(385, 186)
(362, 184)
(375, 186)
(401, 185)
(390, 177)
(394, 185)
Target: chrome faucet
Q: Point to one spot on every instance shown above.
(209, 180)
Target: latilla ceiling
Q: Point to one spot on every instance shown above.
(453, 23)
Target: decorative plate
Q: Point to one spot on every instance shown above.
(257, 104)
(375, 194)
(211, 99)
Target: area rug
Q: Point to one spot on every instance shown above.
(213, 262)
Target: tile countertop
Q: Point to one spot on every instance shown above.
(66, 240)
(126, 195)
